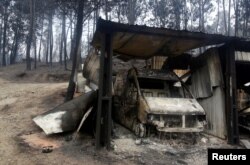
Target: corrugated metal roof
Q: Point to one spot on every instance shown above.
(242, 56)
(144, 42)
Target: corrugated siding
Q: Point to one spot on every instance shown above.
(214, 107)
(207, 76)
(242, 56)
(201, 84)
(214, 67)
(207, 87)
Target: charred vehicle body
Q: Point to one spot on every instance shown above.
(150, 100)
(147, 100)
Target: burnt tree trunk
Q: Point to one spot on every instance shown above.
(88, 37)
(15, 44)
(12, 50)
(61, 47)
(4, 33)
(72, 38)
(119, 13)
(131, 16)
(225, 19)
(236, 17)
(218, 15)
(50, 37)
(34, 38)
(73, 43)
(51, 46)
(78, 35)
(30, 36)
(64, 36)
(228, 22)
(17, 35)
(202, 12)
(185, 13)
(47, 47)
(15, 49)
(40, 44)
(35, 54)
(1, 30)
(106, 9)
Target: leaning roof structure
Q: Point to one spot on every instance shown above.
(142, 42)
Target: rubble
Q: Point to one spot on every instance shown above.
(204, 140)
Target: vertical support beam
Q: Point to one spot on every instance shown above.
(108, 85)
(100, 94)
(104, 120)
(231, 108)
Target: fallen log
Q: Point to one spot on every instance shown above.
(67, 116)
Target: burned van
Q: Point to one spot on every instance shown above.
(147, 100)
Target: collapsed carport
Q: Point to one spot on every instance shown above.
(141, 42)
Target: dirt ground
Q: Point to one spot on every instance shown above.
(23, 95)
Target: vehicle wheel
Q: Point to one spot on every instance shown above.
(140, 130)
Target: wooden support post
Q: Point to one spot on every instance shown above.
(231, 108)
(104, 120)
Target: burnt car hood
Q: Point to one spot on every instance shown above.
(173, 106)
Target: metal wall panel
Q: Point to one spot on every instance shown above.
(214, 67)
(201, 83)
(214, 107)
(207, 87)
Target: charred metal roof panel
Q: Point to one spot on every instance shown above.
(143, 42)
